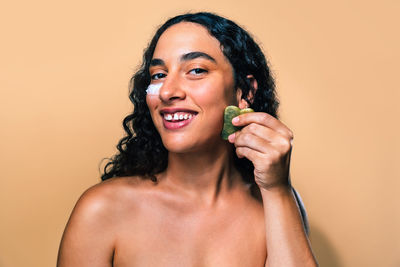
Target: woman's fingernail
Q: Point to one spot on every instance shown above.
(235, 120)
(231, 138)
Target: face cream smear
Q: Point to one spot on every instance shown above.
(154, 89)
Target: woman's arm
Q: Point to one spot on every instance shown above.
(267, 143)
(287, 242)
(88, 237)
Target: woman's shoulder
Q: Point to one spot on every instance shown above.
(100, 209)
(108, 197)
(115, 189)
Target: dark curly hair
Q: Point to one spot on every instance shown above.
(141, 151)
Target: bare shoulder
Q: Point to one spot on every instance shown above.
(122, 183)
(90, 235)
(103, 196)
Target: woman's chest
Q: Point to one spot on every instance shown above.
(192, 241)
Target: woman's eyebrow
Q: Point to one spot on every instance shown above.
(193, 55)
(157, 62)
(184, 57)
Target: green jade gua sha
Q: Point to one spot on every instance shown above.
(229, 113)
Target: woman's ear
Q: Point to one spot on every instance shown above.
(243, 102)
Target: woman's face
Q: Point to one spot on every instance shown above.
(197, 84)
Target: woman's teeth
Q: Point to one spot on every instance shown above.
(178, 116)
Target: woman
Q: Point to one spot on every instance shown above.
(177, 194)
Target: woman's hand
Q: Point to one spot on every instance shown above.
(267, 143)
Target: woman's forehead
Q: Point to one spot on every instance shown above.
(187, 37)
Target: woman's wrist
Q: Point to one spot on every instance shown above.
(278, 192)
(276, 189)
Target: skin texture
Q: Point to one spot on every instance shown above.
(200, 213)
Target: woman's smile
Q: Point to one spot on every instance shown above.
(177, 118)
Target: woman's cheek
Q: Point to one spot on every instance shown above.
(152, 101)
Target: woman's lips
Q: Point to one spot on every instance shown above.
(174, 125)
(177, 117)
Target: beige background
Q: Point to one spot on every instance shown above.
(65, 68)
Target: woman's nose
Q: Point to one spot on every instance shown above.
(171, 89)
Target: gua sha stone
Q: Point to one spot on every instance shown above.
(229, 113)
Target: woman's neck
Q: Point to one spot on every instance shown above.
(203, 175)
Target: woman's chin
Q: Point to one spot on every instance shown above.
(179, 147)
(183, 145)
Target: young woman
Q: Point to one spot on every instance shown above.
(177, 194)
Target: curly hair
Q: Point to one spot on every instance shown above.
(141, 152)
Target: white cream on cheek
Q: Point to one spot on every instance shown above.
(154, 89)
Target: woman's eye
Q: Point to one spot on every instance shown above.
(157, 76)
(197, 71)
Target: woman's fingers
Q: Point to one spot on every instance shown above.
(274, 145)
(249, 140)
(264, 119)
(260, 136)
(265, 133)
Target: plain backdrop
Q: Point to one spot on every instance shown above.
(64, 73)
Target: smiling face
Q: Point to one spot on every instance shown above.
(197, 84)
